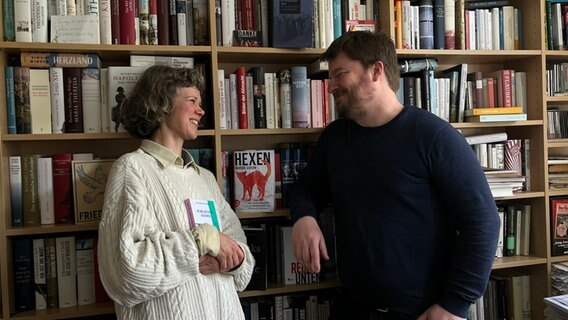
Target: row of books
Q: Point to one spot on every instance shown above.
(56, 272)
(514, 235)
(439, 24)
(308, 306)
(147, 22)
(555, 32)
(507, 296)
(287, 99)
(261, 180)
(557, 122)
(557, 78)
(71, 93)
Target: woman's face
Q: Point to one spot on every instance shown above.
(184, 119)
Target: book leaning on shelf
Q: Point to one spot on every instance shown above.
(254, 180)
(89, 181)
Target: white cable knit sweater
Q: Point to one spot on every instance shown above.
(147, 255)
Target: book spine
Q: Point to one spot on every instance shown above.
(16, 191)
(23, 264)
(66, 271)
(250, 100)
(39, 274)
(73, 100)
(200, 22)
(10, 101)
(259, 97)
(426, 16)
(153, 22)
(8, 18)
(91, 92)
(172, 21)
(51, 273)
(127, 25)
(39, 20)
(218, 26)
(234, 109)
(23, 19)
(32, 215)
(45, 190)
(115, 22)
(22, 99)
(189, 22)
(62, 188)
(40, 101)
(61, 7)
(100, 292)
(222, 93)
(170, 24)
(57, 99)
(285, 97)
(450, 24)
(228, 21)
(144, 16)
(181, 12)
(85, 271)
(57, 59)
(472, 5)
(105, 22)
(300, 97)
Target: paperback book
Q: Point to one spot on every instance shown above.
(89, 181)
(254, 180)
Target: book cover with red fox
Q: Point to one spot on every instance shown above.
(254, 180)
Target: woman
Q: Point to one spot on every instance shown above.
(152, 264)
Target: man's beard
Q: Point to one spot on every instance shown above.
(347, 107)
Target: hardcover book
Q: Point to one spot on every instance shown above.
(66, 271)
(89, 181)
(202, 212)
(253, 180)
(62, 188)
(40, 284)
(120, 81)
(10, 101)
(84, 252)
(293, 271)
(257, 240)
(247, 38)
(292, 22)
(51, 273)
(23, 264)
(73, 100)
(16, 195)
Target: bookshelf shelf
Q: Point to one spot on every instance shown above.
(255, 215)
(67, 313)
(254, 132)
(558, 143)
(292, 288)
(52, 228)
(518, 261)
(473, 125)
(80, 136)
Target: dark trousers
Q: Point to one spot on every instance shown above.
(344, 308)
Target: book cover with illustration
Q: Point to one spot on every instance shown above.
(89, 182)
(253, 180)
(559, 226)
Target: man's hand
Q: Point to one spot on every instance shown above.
(209, 265)
(308, 243)
(230, 253)
(436, 312)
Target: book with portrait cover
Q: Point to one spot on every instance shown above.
(89, 181)
(253, 180)
(121, 80)
(559, 226)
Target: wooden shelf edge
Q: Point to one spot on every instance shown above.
(81, 136)
(290, 288)
(518, 261)
(523, 195)
(52, 228)
(254, 215)
(66, 313)
(473, 125)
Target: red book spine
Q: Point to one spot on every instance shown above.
(163, 22)
(507, 88)
(100, 292)
(127, 28)
(242, 97)
(62, 188)
(115, 21)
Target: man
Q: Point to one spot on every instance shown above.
(416, 224)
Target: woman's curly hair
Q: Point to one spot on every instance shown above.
(152, 99)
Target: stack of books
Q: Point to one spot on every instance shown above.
(496, 114)
(557, 172)
(504, 182)
(559, 278)
(556, 307)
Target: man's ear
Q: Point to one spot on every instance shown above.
(378, 70)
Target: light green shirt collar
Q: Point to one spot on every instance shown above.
(166, 157)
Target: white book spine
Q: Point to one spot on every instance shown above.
(250, 101)
(45, 190)
(39, 20)
(23, 20)
(105, 116)
(79, 7)
(176, 62)
(91, 7)
(85, 271)
(182, 23)
(61, 7)
(16, 189)
(269, 85)
(222, 106)
(105, 22)
(234, 107)
(40, 283)
(228, 21)
(57, 99)
(66, 271)
(40, 101)
(276, 102)
(51, 8)
(90, 84)
(285, 99)
(71, 8)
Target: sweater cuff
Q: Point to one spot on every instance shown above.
(454, 304)
(207, 239)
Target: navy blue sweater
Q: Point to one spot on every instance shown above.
(416, 223)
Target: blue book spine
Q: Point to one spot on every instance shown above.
(287, 169)
(337, 25)
(501, 34)
(426, 23)
(300, 97)
(9, 23)
(10, 101)
(22, 259)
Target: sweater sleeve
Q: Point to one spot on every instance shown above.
(137, 260)
(232, 227)
(466, 197)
